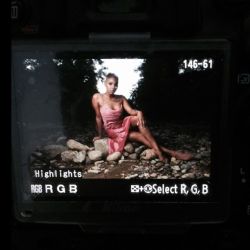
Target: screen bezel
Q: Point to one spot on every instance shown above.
(92, 210)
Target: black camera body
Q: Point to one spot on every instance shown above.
(205, 31)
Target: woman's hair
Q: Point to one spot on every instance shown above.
(112, 75)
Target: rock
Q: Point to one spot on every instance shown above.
(148, 154)
(74, 156)
(95, 155)
(68, 155)
(163, 177)
(140, 149)
(136, 144)
(94, 171)
(112, 162)
(126, 154)
(153, 162)
(96, 168)
(135, 168)
(133, 156)
(194, 168)
(61, 139)
(124, 161)
(176, 168)
(188, 176)
(199, 175)
(129, 148)
(99, 163)
(51, 151)
(106, 171)
(183, 171)
(61, 166)
(204, 163)
(185, 166)
(114, 156)
(205, 154)
(131, 176)
(79, 157)
(102, 146)
(72, 144)
(174, 161)
(153, 175)
(123, 157)
(207, 175)
(174, 172)
(191, 163)
(38, 165)
(37, 154)
(166, 165)
(176, 175)
(159, 164)
(88, 161)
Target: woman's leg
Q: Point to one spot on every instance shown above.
(149, 141)
(147, 134)
(137, 136)
(178, 155)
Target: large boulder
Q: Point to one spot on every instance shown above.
(68, 155)
(102, 146)
(133, 156)
(74, 145)
(95, 155)
(114, 156)
(129, 148)
(51, 151)
(74, 156)
(79, 157)
(148, 154)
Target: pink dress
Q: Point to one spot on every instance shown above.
(116, 128)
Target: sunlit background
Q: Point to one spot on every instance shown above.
(126, 70)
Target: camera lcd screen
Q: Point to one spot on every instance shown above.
(140, 122)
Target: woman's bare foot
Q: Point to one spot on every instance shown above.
(160, 155)
(185, 156)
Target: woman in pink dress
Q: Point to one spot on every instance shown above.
(109, 108)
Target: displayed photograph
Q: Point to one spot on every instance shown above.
(117, 117)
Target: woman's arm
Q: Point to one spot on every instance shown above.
(98, 117)
(131, 111)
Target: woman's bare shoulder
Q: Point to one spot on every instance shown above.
(96, 96)
(120, 97)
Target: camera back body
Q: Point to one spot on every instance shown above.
(144, 22)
